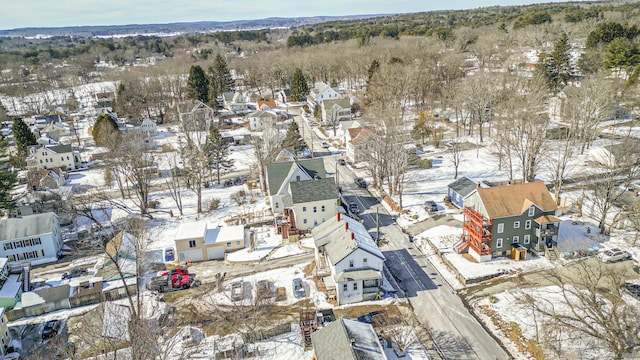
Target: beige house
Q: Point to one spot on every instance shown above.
(48, 157)
(335, 110)
(201, 241)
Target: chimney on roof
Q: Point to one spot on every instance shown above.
(346, 225)
(353, 236)
(338, 215)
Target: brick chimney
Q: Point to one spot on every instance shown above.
(338, 215)
(346, 225)
(353, 236)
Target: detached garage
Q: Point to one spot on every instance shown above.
(200, 241)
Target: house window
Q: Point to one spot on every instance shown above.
(532, 211)
(304, 221)
(527, 224)
(277, 205)
(67, 158)
(355, 286)
(237, 242)
(40, 161)
(500, 228)
(516, 224)
(516, 239)
(304, 208)
(192, 243)
(62, 158)
(51, 159)
(297, 177)
(344, 287)
(499, 243)
(322, 208)
(229, 244)
(350, 263)
(527, 239)
(364, 262)
(315, 209)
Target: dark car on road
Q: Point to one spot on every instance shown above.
(50, 329)
(342, 162)
(360, 182)
(353, 208)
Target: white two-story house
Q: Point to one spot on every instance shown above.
(301, 195)
(348, 260)
(57, 156)
(34, 238)
(320, 92)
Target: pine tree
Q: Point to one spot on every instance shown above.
(198, 84)
(8, 178)
(105, 130)
(23, 136)
(293, 140)
(221, 79)
(299, 86)
(217, 152)
(555, 68)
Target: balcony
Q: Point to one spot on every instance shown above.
(546, 232)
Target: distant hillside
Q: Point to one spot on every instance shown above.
(180, 27)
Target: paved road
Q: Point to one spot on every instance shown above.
(457, 334)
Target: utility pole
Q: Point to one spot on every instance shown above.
(377, 226)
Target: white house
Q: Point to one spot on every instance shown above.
(147, 127)
(47, 157)
(335, 110)
(200, 241)
(235, 101)
(262, 119)
(348, 259)
(320, 92)
(35, 238)
(280, 174)
(312, 202)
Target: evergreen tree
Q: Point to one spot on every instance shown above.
(421, 128)
(555, 68)
(221, 79)
(104, 131)
(217, 152)
(293, 141)
(299, 86)
(621, 53)
(373, 68)
(198, 84)
(8, 178)
(23, 136)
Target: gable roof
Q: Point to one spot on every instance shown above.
(337, 240)
(60, 149)
(15, 228)
(277, 172)
(463, 186)
(343, 103)
(224, 234)
(313, 190)
(513, 200)
(271, 103)
(347, 339)
(361, 135)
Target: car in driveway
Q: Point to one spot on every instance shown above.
(298, 288)
(614, 255)
(312, 123)
(263, 289)
(237, 290)
(373, 317)
(325, 144)
(342, 162)
(360, 182)
(431, 206)
(51, 329)
(74, 273)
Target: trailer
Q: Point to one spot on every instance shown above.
(173, 281)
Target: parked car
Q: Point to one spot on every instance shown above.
(360, 182)
(325, 144)
(237, 290)
(353, 208)
(312, 123)
(342, 161)
(614, 255)
(431, 206)
(633, 288)
(74, 273)
(51, 329)
(298, 288)
(263, 289)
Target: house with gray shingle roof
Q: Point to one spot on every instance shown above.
(34, 238)
(460, 189)
(301, 194)
(48, 157)
(348, 260)
(347, 339)
(321, 91)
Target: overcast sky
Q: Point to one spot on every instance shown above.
(54, 13)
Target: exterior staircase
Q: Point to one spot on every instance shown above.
(461, 246)
(552, 253)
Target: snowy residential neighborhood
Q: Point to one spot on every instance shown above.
(460, 202)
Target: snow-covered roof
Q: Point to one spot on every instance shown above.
(347, 339)
(191, 230)
(336, 236)
(224, 234)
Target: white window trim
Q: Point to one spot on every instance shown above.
(532, 211)
(527, 224)
(500, 228)
(527, 239)
(516, 239)
(498, 243)
(516, 224)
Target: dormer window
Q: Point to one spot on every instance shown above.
(532, 211)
